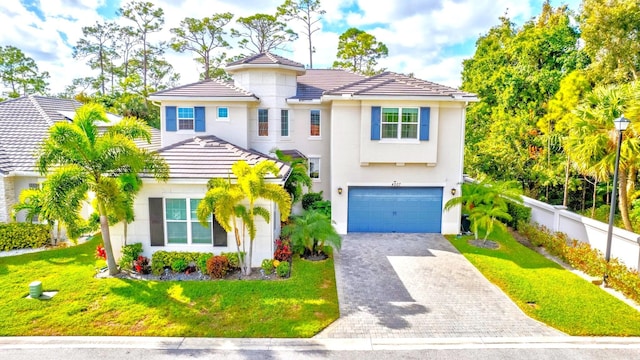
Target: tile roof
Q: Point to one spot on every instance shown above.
(315, 82)
(265, 58)
(155, 143)
(207, 157)
(394, 84)
(204, 88)
(24, 123)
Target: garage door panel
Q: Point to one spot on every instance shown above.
(391, 209)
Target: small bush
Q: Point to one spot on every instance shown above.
(141, 265)
(101, 253)
(323, 207)
(234, 261)
(217, 266)
(162, 259)
(201, 263)
(309, 199)
(283, 269)
(23, 236)
(129, 254)
(519, 213)
(283, 250)
(179, 265)
(267, 266)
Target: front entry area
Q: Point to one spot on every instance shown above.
(395, 209)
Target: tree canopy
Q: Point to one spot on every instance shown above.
(359, 52)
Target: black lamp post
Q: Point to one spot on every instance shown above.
(621, 124)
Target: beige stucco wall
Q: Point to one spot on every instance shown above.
(22, 183)
(7, 197)
(383, 166)
(138, 230)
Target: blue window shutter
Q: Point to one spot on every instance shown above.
(200, 125)
(170, 118)
(375, 123)
(425, 115)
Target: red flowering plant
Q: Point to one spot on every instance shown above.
(101, 253)
(141, 265)
(283, 250)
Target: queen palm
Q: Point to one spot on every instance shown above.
(234, 203)
(298, 177)
(311, 231)
(78, 159)
(592, 141)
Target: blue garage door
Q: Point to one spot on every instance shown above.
(395, 209)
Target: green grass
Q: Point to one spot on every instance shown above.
(297, 307)
(562, 299)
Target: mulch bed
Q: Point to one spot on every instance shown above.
(256, 274)
(486, 244)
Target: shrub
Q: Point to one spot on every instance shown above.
(234, 261)
(309, 199)
(129, 254)
(323, 207)
(217, 266)
(201, 263)
(283, 269)
(267, 266)
(283, 250)
(23, 236)
(162, 259)
(179, 265)
(519, 213)
(141, 265)
(101, 253)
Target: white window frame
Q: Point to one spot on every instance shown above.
(222, 118)
(400, 124)
(311, 115)
(267, 122)
(288, 123)
(189, 221)
(183, 118)
(318, 161)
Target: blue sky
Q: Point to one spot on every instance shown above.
(429, 38)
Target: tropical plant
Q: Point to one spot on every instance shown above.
(298, 177)
(231, 202)
(310, 232)
(486, 202)
(77, 158)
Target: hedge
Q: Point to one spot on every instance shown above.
(161, 259)
(519, 213)
(23, 236)
(583, 257)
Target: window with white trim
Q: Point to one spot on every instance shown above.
(399, 123)
(182, 223)
(223, 113)
(186, 118)
(314, 168)
(263, 122)
(314, 123)
(284, 122)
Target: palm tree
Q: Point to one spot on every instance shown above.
(592, 141)
(298, 177)
(311, 231)
(77, 158)
(232, 201)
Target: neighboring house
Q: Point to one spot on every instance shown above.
(24, 124)
(387, 150)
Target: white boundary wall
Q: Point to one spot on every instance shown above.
(625, 245)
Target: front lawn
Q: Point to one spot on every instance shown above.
(298, 307)
(549, 293)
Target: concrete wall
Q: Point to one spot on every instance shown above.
(7, 197)
(139, 232)
(351, 122)
(625, 245)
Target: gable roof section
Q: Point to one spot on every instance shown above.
(265, 58)
(207, 157)
(394, 84)
(24, 123)
(205, 89)
(315, 82)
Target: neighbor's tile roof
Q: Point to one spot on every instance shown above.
(155, 143)
(24, 123)
(205, 88)
(266, 58)
(394, 84)
(207, 157)
(315, 82)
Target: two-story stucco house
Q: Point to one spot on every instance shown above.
(387, 150)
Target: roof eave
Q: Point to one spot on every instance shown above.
(303, 101)
(204, 98)
(235, 68)
(446, 98)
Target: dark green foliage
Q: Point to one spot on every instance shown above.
(129, 254)
(201, 263)
(217, 266)
(311, 198)
(162, 259)
(23, 236)
(283, 269)
(179, 265)
(234, 261)
(519, 213)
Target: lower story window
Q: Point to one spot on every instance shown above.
(314, 168)
(183, 226)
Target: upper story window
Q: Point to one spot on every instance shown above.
(314, 123)
(399, 123)
(185, 118)
(263, 122)
(284, 122)
(223, 113)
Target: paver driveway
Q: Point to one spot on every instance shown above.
(419, 286)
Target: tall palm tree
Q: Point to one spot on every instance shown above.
(592, 141)
(231, 202)
(77, 158)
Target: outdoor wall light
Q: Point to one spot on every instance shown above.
(339, 191)
(453, 191)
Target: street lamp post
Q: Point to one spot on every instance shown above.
(621, 124)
